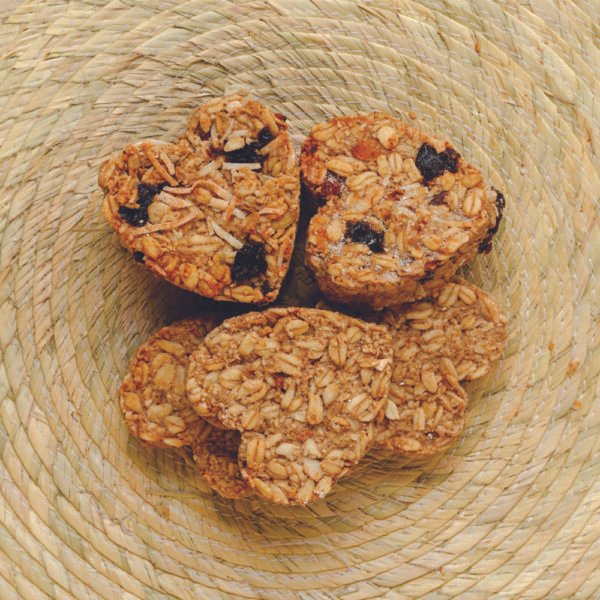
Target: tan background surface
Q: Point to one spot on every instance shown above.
(86, 512)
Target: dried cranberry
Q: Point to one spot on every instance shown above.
(139, 256)
(486, 244)
(362, 233)
(438, 199)
(432, 164)
(247, 154)
(264, 136)
(332, 186)
(249, 261)
(146, 193)
(136, 217)
(281, 117)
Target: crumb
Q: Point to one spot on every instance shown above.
(477, 46)
(572, 367)
(577, 405)
(551, 346)
(412, 115)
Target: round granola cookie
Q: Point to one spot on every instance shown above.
(214, 212)
(152, 395)
(401, 211)
(216, 455)
(436, 346)
(303, 386)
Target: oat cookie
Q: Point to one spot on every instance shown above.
(152, 395)
(436, 346)
(401, 211)
(303, 386)
(216, 455)
(214, 212)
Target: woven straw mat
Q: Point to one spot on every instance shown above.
(511, 511)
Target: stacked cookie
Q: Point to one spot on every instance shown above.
(284, 402)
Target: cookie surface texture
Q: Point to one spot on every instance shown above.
(152, 396)
(303, 386)
(214, 212)
(437, 345)
(215, 453)
(400, 211)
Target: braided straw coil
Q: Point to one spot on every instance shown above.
(512, 510)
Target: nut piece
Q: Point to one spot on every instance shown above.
(421, 210)
(152, 395)
(214, 212)
(305, 407)
(465, 334)
(216, 455)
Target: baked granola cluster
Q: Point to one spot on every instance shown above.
(214, 212)
(282, 403)
(399, 212)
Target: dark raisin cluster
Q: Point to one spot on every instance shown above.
(432, 163)
(249, 153)
(138, 217)
(250, 261)
(360, 232)
(486, 244)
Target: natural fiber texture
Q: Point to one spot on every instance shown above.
(513, 510)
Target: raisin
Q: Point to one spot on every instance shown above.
(146, 193)
(249, 261)
(438, 199)
(139, 256)
(247, 154)
(362, 233)
(265, 288)
(395, 195)
(312, 147)
(486, 244)
(432, 164)
(432, 435)
(332, 186)
(264, 136)
(136, 217)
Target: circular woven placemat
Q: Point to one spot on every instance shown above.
(86, 512)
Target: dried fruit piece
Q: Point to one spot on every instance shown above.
(368, 149)
(432, 163)
(250, 261)
(486, 244)
(362, 233)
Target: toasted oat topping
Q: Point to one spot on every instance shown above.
(425, 211)
(152, 395)
(216, 455)
(436, 346)
(303, 386)
(189, 210)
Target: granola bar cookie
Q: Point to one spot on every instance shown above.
(214, 212)
(436, 346)
(402, 211)
(216, 455)
(303, 386)
(152, 395)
